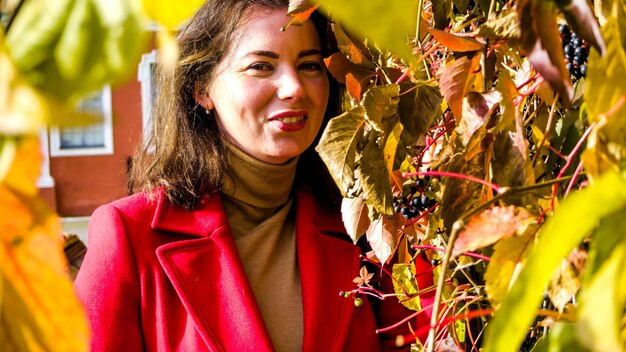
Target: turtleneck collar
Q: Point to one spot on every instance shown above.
(255, 182)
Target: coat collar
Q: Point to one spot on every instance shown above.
(221, 301)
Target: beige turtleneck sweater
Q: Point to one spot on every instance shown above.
(257, 199)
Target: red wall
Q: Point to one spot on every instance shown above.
(84, 183)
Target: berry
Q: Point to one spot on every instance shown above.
(414, 213)
(358, 302)
(569, 50)
(563, 29)
(583, 70)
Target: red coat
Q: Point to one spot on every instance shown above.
(159, 278)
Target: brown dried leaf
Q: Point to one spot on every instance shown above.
(567, 279)
(455, 42)
(490, 226)
(364, 277)
(542, 42)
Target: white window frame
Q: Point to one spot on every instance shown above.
(107, 122)
(144, 76)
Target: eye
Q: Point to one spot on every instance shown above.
(260, 66)
(311, 66)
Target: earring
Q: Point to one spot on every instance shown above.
(207, 110)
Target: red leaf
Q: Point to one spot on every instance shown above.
(454, 42)
(541, 39)
(455, 81)
(490, 226)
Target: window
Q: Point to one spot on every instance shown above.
(91, 139)
(147, 77)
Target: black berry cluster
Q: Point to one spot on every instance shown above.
(416, 201)
(576, 52)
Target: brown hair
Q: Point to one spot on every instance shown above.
(184, 153)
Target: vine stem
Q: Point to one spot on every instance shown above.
(469, 254)
(496, 188)
(432, 331)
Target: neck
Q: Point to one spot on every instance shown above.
(255, 182)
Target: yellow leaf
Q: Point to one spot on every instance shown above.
(24, 171)
(300, 18)
(22, 109)
(506, 261)
(171, 14)
(38, 309)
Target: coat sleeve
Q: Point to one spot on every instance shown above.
(108, 285)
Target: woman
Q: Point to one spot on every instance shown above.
(235, 242)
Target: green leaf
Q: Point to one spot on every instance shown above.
(559, 235)
(603, 297)
(380, 102)
(388, 24)
(74, 47)
(562, 337)
(604, 87)
(338, 146)
(375, 179)
(406, 283)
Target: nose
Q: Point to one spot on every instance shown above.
(290, 85)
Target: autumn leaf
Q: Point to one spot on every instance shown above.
(405, 285)
(456, 80)
(24, 170)
(39, 308)
(455, 42)
(364, 277)
(375, 179)
(380, 102)
(504, 25)
(419, 105)
(356, 78)
(511, 166)
(491, 225)
(355, 217)
(353, 52)
(474, 115)
(567, 279)
(338, 146)
(542, 42)
(300, 11)
(381, 235)
(507, 258)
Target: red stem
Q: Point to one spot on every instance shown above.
(469, 254)
(496, 188)
(471, 315)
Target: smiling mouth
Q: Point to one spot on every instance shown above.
(291, 119)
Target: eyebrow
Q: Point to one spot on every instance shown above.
(273, 55)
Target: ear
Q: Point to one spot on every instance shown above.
(202, 97)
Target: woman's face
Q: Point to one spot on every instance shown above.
(270, 91)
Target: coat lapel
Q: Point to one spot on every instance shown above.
(208, 276)
(327, 266)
